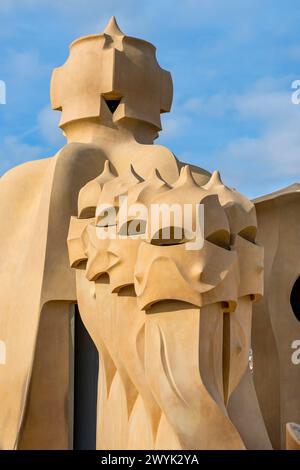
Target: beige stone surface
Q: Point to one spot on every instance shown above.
(49, 401)
(172, 326)
(38, 200)
(275, 327)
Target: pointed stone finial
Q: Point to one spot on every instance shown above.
(106, 173)
(90, 193)
(185, 177)
(112, 28)
(215, 180)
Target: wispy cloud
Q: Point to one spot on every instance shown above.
(270, 156)
(48, 122)
(14, 150)
(224, 115)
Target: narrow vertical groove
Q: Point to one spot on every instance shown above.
(226, 354)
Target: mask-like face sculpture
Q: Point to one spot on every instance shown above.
(226, 270)
(175, 273)
(174, 263)
(95, 240)
(113, 77)
(223, 270)
(226, 266)
(116, 258)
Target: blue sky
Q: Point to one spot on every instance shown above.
(232, 62)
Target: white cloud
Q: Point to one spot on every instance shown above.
(48, 122)
(210, 29)
(213, 106)
(273, 155)
(13, 152)
(23, 65)
(7, 6)
(174, 126)
(259, 160)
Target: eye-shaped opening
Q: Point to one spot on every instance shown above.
(170, 236)
(112, 104)
(249, 233)
(102, 278)
(295, 299)
(126, 291)
(112, 101)
(133, 228)
(87, 212)
(220, 238)
(168, 305)
(79, 264)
